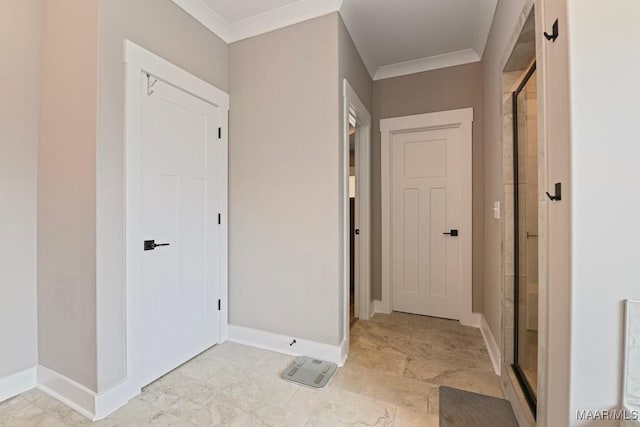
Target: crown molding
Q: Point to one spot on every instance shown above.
(207, 17)
(427, 64)
(275, 19)
(290, 14)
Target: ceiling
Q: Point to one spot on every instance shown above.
(233, 11)
(394, 37)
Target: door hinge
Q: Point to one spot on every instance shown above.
(219, 305)
(219, 133)
(219, 219)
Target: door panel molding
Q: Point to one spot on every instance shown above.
(462, 119)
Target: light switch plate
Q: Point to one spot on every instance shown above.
(497, 211)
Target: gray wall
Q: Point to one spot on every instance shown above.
(284, 259)
(352, 68)
(166, 30)
(66, 190)
(82, 171)
(19, 86)
(431, 91)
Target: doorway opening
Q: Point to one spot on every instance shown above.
(525, 233)
(426, 214)
(354, 230)
(523, 256)
(356, 187)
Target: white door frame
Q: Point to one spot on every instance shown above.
(353, 106)
(463, 119)
(138, 61)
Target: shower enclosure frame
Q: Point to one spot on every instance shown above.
(529, 393)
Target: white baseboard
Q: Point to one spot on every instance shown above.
(381, 307)
(94, 406)
(492, 346)
(472, 319)
(17, 383)
(281, 344)
(344, 351)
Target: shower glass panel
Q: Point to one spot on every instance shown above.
(525, 166)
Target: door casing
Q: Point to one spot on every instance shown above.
(353, 106)
(463, 119)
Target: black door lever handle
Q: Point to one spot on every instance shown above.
(150, 245)
(452, 233)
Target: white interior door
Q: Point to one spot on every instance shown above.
(426, 204)
(180, 205)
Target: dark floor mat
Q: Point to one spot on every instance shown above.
(459, 408)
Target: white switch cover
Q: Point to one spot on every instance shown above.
(496, 210)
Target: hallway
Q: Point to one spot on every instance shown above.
(391, 378)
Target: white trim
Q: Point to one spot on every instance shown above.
(74, 395)
(492, 345)
(13, 385)
(94, 406)
(282, 344)
(464, 119)
(344, 351)
(145, 61)
(139, 60)
(275, 19)
(380, 307)
(292, 13)
(452, 59)
(630, 345)
(354, 106)
(202, 13)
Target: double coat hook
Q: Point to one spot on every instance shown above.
(554, 35)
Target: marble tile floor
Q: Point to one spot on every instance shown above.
(396, 364)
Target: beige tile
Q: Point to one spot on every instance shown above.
(383, 330)
(431, 369)
(391, 363)
(408, 418)
(252, 390)
(392, 389)
(204, 367)
(177, 394)
(273, 363)
(237, 352)
(477, 381)
(57, 409)
(332, 407)
(394, 318)
(19, 412)
(225, 412)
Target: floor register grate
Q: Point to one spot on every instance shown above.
(309, 372)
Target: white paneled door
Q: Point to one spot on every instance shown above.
(181, 198)
(426, 221)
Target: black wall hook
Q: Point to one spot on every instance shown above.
(558, 196)
(556, 32)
